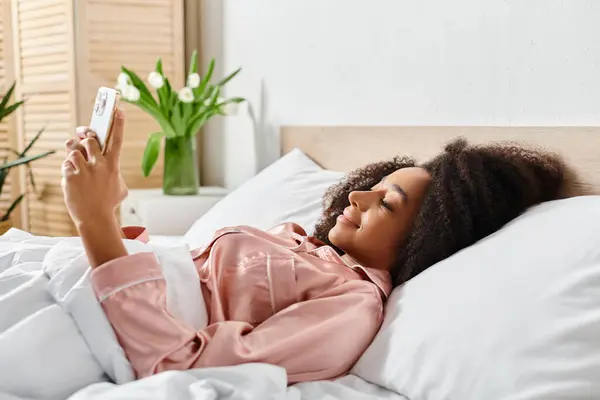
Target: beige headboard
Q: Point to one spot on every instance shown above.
(345, 148)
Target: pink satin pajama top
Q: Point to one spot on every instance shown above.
(277, 297)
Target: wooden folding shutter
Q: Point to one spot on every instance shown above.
(43, 54)
(133, 33)
(64, 51)
(10, 189)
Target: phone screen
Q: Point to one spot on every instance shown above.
(102, 114)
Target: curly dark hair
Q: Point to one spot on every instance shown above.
(474, 191)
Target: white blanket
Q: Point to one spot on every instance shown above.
(56, 342)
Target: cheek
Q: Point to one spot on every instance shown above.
(383, 237)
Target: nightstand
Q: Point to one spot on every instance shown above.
(167, 215)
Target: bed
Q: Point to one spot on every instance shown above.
(344, 148)
(512, 317)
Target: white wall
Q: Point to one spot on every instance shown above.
(404, 62)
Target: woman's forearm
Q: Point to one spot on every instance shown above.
(102, 239)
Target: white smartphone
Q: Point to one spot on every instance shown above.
(103, 114)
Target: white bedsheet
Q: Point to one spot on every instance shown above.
(242, 382)
(166, 240)
(56, 342)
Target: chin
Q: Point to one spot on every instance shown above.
(337, 237)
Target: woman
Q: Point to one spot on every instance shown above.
(309, 304)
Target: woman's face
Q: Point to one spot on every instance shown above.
(373, 226)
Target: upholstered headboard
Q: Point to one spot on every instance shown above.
(345, 148)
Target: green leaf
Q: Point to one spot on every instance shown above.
(172, 97)
(168, 86)
(194, 62)
(25, 160)
(162, 92)
(166, 98)
(204, 82)
(3, 175)
(205, 95)
(7, 96)
(193, 121)
(151, 152)
(187, 112)
(9, 110)
(158, 117)
(159, 68)
(162, 103)
(192, 124)
(167, 128)
(4, 112)
(30, 173)
(30, 145)
(141, 86)
(12, 207)
(214, 97)
(232, 100)
(198, 122)
(177, 119)
(229, 77)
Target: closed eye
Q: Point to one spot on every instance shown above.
(386, 205)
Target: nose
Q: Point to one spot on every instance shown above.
(362, 199)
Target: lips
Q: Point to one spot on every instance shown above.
(349, 219)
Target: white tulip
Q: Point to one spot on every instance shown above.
(123, 80)
(193, 80)
(231, 108)
(130, 93)
(156, 80)
(185, 95)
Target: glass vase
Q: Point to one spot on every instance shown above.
(180, 175)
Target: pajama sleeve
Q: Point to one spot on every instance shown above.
(320, 338)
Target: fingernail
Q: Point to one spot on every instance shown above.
(80, 131)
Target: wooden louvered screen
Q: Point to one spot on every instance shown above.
(43, 51)
(10, 190)
(133, 33)
(64, 51)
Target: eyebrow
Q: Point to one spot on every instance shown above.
(397, 189)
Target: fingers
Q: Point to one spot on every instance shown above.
(87, 143)
(83, 131)
(92, 148)
(75, 145)
(67, 168)
(116, 141)
(77, 162)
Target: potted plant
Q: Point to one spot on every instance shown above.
(180, 115)
(21, 159)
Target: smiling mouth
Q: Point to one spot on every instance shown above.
(346, 218)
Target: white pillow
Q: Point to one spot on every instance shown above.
(288, 190)
(515, 316)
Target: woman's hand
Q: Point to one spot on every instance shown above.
(93, 188)
(92, 183)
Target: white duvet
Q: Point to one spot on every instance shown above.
(56, 343)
